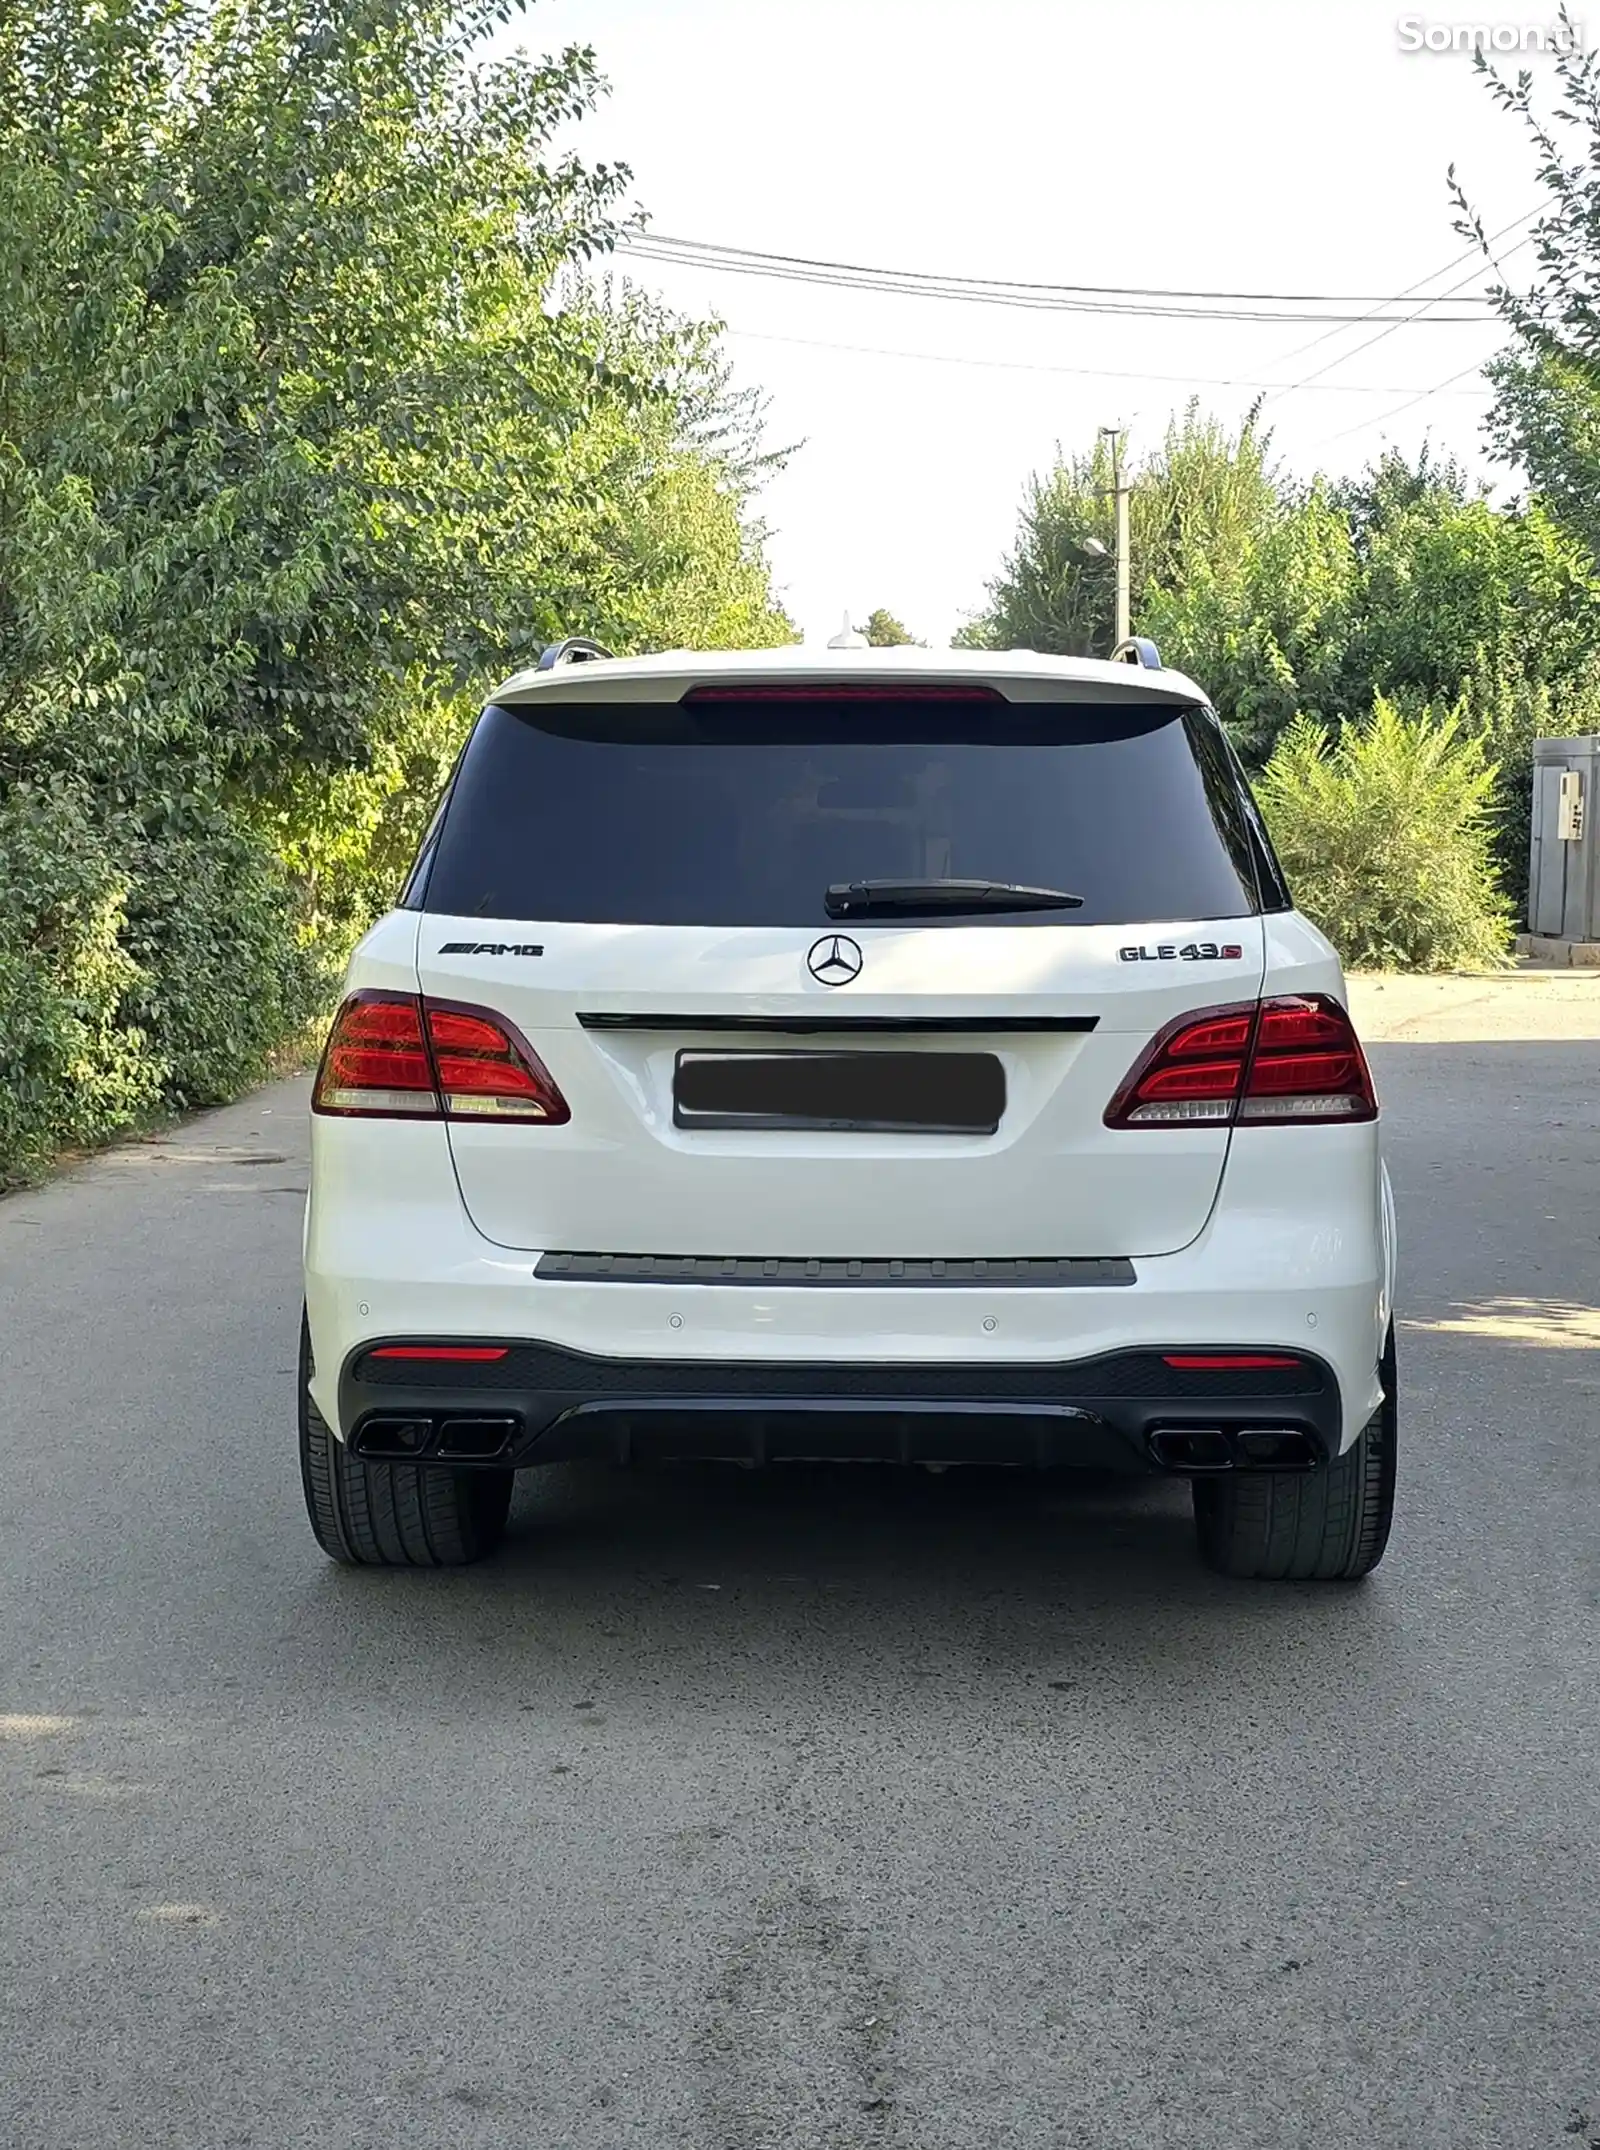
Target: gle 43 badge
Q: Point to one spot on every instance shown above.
(1191, 952)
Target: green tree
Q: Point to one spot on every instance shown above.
(1454, 594)
(884, 631)
(1055, 591)
(311, 424)
(1201, 500)
(1283, 598)
(1259, 622)
(1459, 603)
(1546, 415)
(1545, 422)
(1238, 576)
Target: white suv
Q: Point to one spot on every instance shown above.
(886, 1054)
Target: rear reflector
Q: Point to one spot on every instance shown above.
(1283, 1062)
(1226, 1362)
(469, 1354)
(397, 1055)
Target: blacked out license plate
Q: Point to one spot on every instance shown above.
(913, 1093)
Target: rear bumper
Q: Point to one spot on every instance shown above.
(1297, 1256)
(536, 1403)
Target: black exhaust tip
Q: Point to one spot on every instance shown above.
(1196, 1450)
(1275, 1448)
(476, 1440)
(393, 1440)
(1192, 1448)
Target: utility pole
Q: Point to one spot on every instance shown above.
(1119, 494)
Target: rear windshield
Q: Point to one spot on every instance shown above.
(742, 813)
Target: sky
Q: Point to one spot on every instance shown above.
(1215, 145)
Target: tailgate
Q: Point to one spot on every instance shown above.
(651, 889)
(1042, 1021)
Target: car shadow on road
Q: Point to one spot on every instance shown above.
(862, 1528)
(697, 1584)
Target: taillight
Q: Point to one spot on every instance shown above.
(1308, 1065)
(486, 1072)
(393, 1054)
(1286, 1062)
(376, 1061)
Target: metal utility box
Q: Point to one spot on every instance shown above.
(1563, 866)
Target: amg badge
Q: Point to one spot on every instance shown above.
(1191, 952)
(492, 948)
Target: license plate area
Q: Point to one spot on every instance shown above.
(868, 1093)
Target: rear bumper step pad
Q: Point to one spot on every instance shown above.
(1036, 1272)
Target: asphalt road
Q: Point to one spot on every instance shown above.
(822, 1811)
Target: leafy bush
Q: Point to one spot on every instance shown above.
(141, 969)
(211, 924)
(1387, 835)
(73, 1066)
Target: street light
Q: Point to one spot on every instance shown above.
(1090, 548)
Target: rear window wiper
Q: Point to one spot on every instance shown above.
(912, 899)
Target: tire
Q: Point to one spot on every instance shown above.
(1319, 1526)
(393, 1515)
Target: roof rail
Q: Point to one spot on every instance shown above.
(576, 649)
(1138, 649)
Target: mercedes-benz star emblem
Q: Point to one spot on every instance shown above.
(834, 960)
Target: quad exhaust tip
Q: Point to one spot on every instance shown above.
(1200, 1451)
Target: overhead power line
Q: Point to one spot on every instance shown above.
(1425, 395)
(1092, 373)
(1311, 379)
(1410, 291)
(1137, 301)
(1142, 302)
(1445, 387)
(706, 247)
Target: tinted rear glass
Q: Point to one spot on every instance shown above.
(741, 814)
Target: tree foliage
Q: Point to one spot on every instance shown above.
(1285, 599)
(312, 421)
(1545, 423)
(884, 631)
(1234, 572)
(1385, 831)
(1546, 415)
(1493, 611)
